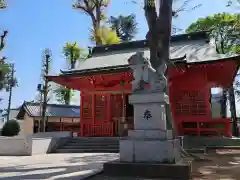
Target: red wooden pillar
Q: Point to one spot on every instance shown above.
(109, 115)
(93, 108)
(124, 104)
(228, 128)
(108, 107)
(81, 113)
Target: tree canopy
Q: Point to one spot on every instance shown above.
(105, 36)
(63, 94)
(125, 26)
(224, 28)
(95, 9)
(5, 68)
(73, 53)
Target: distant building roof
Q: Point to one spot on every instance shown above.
(13, 114)
(53, 110)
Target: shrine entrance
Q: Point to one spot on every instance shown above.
(190, 96)
(104, 81)
(105, 114)
(105, 110)
(129, 108)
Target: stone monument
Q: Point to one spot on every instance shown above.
(150, 147)
(150, 141)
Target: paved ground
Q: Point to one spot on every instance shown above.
(53, 166)
(224, 165)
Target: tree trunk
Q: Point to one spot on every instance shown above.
(224, 103)
(45, 94)
(233, 111)
(159, 33)
(67, 96)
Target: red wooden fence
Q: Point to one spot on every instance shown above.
(104, 129)
(216, 127)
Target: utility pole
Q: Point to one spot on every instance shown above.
(10, 86)
(45, 89)
(40, 90)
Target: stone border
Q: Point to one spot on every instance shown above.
(180, 171)
(32, 144)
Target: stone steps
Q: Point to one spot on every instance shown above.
(196, 150)
(92, 142)
(89, 145)
(107, 150)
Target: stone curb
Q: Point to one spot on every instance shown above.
(96, 173)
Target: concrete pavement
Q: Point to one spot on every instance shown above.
(53, 166)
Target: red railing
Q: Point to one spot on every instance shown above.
(64, 126)
(206, 127)
(104, 129)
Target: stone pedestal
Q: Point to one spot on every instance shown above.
(150, 141)
(149, 150)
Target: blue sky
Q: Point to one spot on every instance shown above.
(35, 25)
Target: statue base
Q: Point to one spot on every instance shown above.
(149, 151)
(150, 141)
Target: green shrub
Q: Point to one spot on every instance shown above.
(10, 128)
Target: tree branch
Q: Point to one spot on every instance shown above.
(2, 39)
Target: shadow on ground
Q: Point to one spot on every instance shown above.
(212, 166)
(221, 166)
(53, 166)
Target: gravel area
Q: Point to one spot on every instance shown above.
(223, 165)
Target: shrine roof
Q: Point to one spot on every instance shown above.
(53, 110)
(196, 46)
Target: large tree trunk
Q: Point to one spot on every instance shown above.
(159, 34)
(233, 111)
(224, 103)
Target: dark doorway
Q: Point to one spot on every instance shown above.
(129, 108)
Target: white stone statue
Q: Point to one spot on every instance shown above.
(143, 74)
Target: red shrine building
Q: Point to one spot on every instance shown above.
(104, 80)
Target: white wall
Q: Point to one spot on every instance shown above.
(39, 143)
(15, 146)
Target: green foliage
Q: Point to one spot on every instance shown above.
(6, 80)
(125, 26)
(4, 74)
(3, 5)
(236, 49)
(104, 36)
(224, 28)
(95, 9)
(10, 128)
(73, 53)
(63, 95)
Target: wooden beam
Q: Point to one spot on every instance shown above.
(110, 92)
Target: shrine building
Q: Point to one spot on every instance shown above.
(104, 80)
